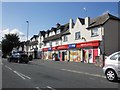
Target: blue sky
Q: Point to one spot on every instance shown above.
(43, 16)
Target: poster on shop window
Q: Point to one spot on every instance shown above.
(87, 55)
(75, 55)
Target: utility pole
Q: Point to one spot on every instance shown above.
(27, 34)
(85, 11)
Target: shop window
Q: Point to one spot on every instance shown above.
(65, 38)
(94, 32)
(77, 35)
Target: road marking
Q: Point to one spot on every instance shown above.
(24, 75)
(37, 88)
(83, 73)
(19, 74)
(50, 88)
(8, 67)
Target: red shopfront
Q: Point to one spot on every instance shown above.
(44, 54)
(89, 50)
(62, 50)
(83, 52)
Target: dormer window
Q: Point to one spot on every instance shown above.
(51, 33)
(45, 44)
(65, 38)
(58, 31)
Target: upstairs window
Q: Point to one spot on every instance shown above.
(94, 32)
(77, 35)
(50, 43)
(44, 44)
(58, 31)
(56, 42)
(65, 38)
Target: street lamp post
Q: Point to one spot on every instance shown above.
(27, 34)
(85, 11)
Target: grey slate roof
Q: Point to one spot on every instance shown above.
(101, 20)
(66, 33)
(63, 28)
(82, 20)
(34, 36)
(42, 33)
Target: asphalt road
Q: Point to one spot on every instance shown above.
(51, 75)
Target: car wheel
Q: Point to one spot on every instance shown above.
(26, 62)
(9, 60)
(16, 61)
(111, 75)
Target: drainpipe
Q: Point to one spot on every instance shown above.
(103, 46)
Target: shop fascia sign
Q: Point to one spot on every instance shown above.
(54, 48)
(62, 47)
(45, 49)
(72, 46)
(49, 49)
(89, 44)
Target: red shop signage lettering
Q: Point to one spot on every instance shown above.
(62, 47)
(88, 44)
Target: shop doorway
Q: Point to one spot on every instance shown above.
(35, 54)
(83, 56)
(63, 56)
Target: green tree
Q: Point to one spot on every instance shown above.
(9, 42)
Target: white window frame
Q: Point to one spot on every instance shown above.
(56, 42)
(65, 38)
(45, 44)
(94, 32)
(77, 35)
(58, 31)
(50, 43)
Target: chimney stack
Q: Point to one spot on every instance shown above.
(70, 24)
(87, 21)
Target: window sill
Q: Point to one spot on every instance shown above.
(77, 39)
(64, 41)
(94, 35)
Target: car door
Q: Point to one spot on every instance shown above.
(119, 64)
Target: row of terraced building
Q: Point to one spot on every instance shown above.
(81, 41)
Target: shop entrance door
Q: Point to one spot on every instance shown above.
(63, 56)
(35, 54)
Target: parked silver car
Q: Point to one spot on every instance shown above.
(112, 66)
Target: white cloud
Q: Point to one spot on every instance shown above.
(16, 31)
(13, 31)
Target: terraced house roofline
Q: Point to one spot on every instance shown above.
(101, 20)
